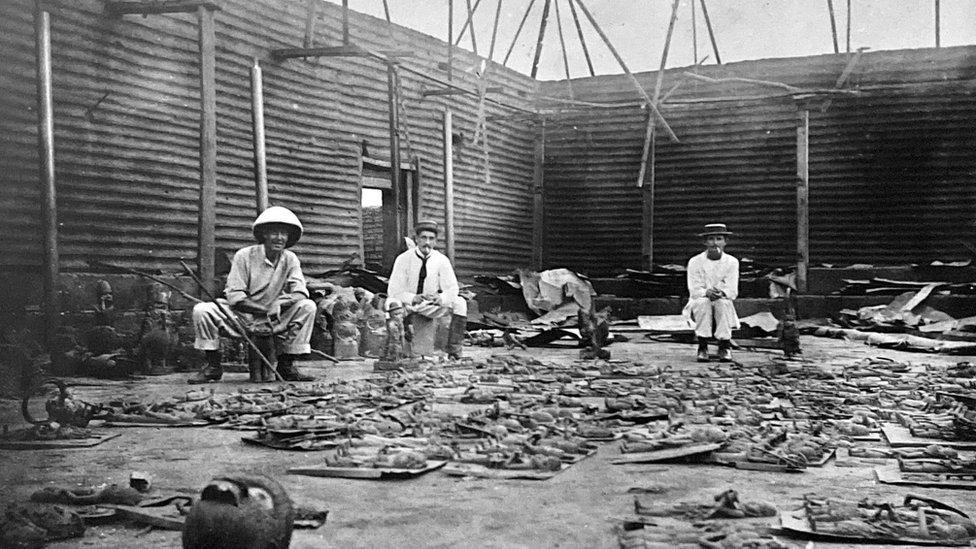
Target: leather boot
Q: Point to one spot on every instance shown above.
(212, 370)
(455, 336)
(724, 350)
(288, 371)
(702, 355)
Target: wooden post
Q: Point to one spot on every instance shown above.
(208, 148)
(396, 189)
(538, 198)
(848, 26)
(448, 185)
(542, 34)
(260, 153)
(450, 39)
(647, 227)
(938, 21)
(45, 146)
(345, 22)
(418, 189)
(802, 197)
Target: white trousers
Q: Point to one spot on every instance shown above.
(295, 325)
(433, 310)
(716, 318)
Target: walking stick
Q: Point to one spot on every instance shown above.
(233, 320)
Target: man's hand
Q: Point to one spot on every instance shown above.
(714, 294)
(250, 306)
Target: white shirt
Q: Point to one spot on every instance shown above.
(440, 277)
(722, 274)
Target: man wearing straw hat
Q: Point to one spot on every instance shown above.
(713, 283)
(266, 288)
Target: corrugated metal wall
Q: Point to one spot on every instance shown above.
(126, 136)
(892, 169)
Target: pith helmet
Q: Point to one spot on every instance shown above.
(278, 214)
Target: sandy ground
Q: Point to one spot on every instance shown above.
(577, 508)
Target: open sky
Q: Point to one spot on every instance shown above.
(744, 29)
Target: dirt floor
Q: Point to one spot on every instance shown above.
(578, 508)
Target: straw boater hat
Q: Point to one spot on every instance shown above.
(426, 226)
(715, 228)
(277, 214)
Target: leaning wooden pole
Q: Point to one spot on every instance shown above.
(579, 31)
(208, 147)
(260, 152)
(538, 42)
(711, 32)
(45, 145)
(518, 31)
(802, 198)
(448, 185)
(833, 25)
(649, 130)
(630, 75)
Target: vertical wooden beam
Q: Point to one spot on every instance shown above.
(345, 22)
(418, 190)
(448, 185)
(450, 39)
(542, 34)
(938, 21)
(45, 149)
(538, 198)
(386, 11)
(647, 227)
(359, 210)
(260, 152)
(711, 33)
(396, 185)
(311, 11)
(848, 26)
(833, 25)
(208, 147)
(694, 32)
(802, 197)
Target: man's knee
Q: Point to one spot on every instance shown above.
(460, 306)
(701, 306)
(306, 307)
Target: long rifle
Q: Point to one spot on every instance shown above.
(232, 319)
(146, 275)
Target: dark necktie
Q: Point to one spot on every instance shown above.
(423, 274)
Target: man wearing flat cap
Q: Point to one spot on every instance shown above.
(423, 280)
(265, 287)
(713, 284)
